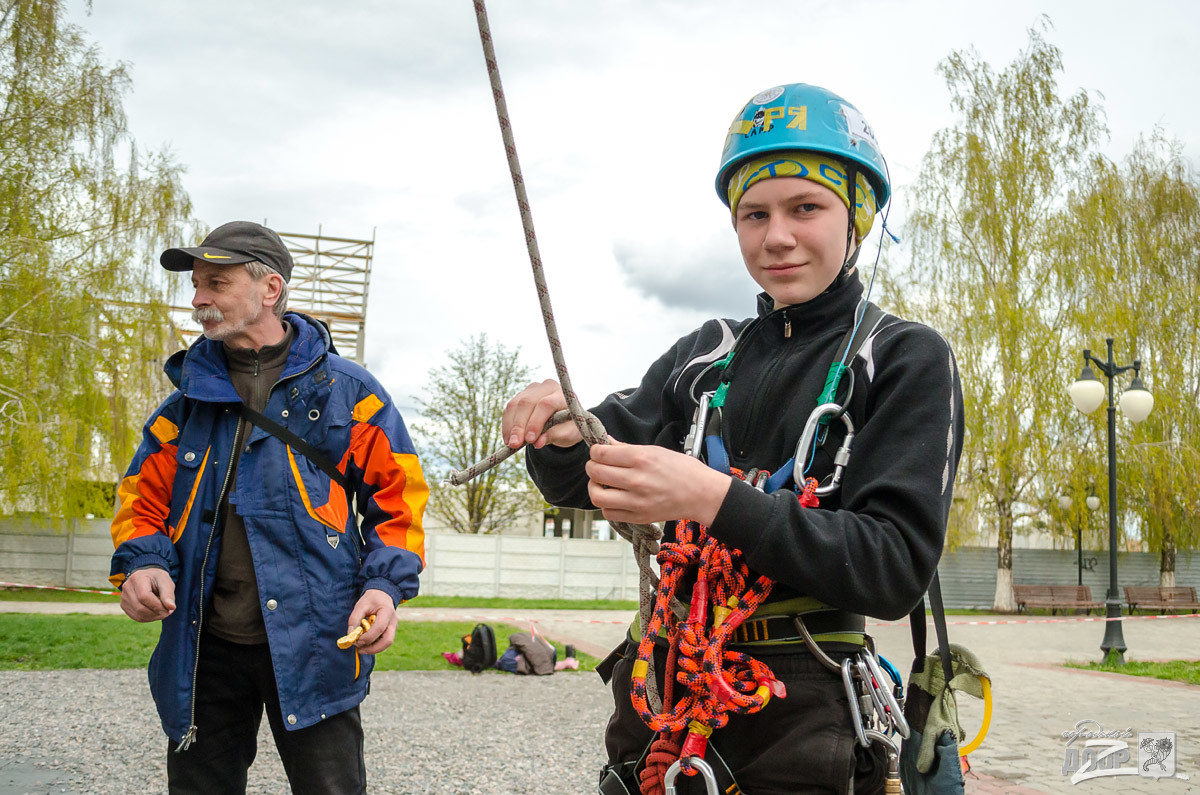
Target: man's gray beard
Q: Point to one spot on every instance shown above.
(219, 333)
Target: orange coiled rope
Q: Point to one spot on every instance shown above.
(718, 682)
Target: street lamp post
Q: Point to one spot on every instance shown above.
(1087, 393)
(1092, 502)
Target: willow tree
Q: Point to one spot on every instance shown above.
(461, 413)
(1131, 235)
(82, 332)
(981, 253)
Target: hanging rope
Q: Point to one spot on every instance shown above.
(644, 537)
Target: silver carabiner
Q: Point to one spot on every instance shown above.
(694, 442)
(706, 772)
(855, 705)
(895, 711)
(840, 459)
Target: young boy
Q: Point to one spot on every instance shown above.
(797, 159)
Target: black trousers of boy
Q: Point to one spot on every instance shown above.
(234, 682)
(803, 743)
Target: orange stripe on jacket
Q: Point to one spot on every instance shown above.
(332, 514)
(187, 508)
(146, 498)
(403, 493)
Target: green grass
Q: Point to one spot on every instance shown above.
(40, 595)
(34, 642)
(1186, 671)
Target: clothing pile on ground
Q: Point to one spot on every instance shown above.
(527, 653)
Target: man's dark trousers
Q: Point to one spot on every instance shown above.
(233, 683)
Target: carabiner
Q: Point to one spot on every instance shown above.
(694, 442)
(840, 458)
(706, 772)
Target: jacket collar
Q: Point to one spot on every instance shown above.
(201, 373)
(825, 310)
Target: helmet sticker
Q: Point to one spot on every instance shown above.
(766, 96)
(858, 127)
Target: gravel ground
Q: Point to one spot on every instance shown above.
(434, 733)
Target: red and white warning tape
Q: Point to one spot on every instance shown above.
(56, 588)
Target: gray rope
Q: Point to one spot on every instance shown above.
(644, 537)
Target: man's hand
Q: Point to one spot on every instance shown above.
(382, 633)
(646, 483)
(148, 595)
(527, 413)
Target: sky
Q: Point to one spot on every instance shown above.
(375, 119)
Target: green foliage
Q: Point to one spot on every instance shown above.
(82, 324)
(1131, 237)
(460, 425)
(980, 231)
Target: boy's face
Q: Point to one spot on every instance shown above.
(792, 233)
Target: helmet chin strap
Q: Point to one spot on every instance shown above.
(852, 250)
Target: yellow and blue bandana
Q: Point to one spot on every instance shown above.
(822, 170)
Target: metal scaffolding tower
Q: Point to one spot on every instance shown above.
(330, 281)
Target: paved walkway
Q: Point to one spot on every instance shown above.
(1037, 699)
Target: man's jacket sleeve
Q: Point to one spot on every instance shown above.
(140, 530)
(391, 494)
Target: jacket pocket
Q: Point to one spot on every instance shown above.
(191, 465)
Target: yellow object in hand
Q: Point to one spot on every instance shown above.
(346, 641)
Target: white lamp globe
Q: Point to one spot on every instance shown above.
(1137, 402)
(1087, 393)
(1064, 502)
(1093, 502)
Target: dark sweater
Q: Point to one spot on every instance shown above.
(873, 546)
(236, 614)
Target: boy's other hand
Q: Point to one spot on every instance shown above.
(527, 413)
(646, 483)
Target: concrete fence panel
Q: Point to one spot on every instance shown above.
(569, 568)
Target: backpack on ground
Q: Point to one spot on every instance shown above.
(479, 649)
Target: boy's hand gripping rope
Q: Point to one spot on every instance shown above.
(644, 537)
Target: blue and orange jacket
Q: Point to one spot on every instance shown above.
(311, 557)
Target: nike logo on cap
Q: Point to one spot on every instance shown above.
(214, 256)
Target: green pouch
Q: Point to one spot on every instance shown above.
(929, 761)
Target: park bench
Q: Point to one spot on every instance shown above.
(1055, 598)
(1179, 597)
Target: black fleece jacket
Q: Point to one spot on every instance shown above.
(873, 546)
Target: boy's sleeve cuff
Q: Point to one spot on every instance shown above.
(742, 516)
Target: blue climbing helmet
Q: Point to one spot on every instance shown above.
(801, 117)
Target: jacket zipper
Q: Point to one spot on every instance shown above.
(761, 386)
(190, 737)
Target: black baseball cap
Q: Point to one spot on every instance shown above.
(234, 243)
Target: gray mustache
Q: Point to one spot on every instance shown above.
(209, 313)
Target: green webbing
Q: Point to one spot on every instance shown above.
(829, 393)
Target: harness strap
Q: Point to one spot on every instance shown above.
(295, 442)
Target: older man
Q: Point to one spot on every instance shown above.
(237, 529)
